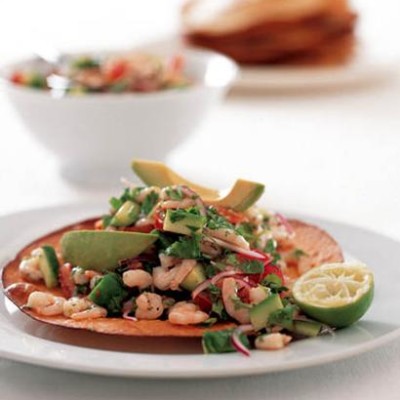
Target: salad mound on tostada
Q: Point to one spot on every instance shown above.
(173, 258)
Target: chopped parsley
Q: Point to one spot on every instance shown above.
(283, 317)
(271, 248)
(185, 247)
(180, 214)
(221, 341)
(252, 267)
(274, 282)
(246, 230)
(216, 221)
(149, 202)
(174, 193)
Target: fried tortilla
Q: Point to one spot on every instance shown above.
(318, 245)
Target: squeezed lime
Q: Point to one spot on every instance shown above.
(337, 294)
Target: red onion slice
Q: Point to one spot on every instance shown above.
(237, 343)
(285, 223)
(199, 288)
(248, 253)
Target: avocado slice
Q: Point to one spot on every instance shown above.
(306, 328)
(154, 173)
(109, 293)
(194, 278)
(126, 215)
(243, 194)
(101, 250)
(260, 313)
(49, 265)
(186, 224)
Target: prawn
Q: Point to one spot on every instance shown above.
(45, 303)
(82, 308)
(184, 313)
(149, 306)
(232, 307)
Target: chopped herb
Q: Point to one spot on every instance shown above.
(180, 214)
(165, 240)
(149, 202)
(271, 248)
(252, 267)
(210, 321)
(298, 253)
(216, 221)
(214, 290)
(221, 341)
(219, 310)
(106, 220)
(246, 230)
(283, 317)
(174, 193)
(274, 282)
(185, 247)
(231, 259)
(116, 202)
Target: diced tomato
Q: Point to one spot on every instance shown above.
(244, 294)
(142, 229)
(234, 217)
(117, 71)
(65, 278)
(159, 219)
(18, 78)
(204, 302)
(272, 269)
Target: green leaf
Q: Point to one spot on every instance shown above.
(174, 193)
(216, 221)
(149, 202)
(221, 341)
(271, 248)
(283, 317)
(246, 230)
(252, 267)
(274, 282)
(185, 247)
(180, 214)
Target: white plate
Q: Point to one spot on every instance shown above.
(25, 340)
(370, 64)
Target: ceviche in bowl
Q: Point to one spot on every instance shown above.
(97, 110)
(175, 259)
(115, 73)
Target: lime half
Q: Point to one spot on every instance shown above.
(337, 294)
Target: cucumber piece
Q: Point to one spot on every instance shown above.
(187, 225)
(126, 215)
(49, 265)
(260, 313)
(306, 328)
(194, 278)
(109, 293)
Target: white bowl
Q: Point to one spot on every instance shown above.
(95, 136)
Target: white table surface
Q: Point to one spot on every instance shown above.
(331, 154)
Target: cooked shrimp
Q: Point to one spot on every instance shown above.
(30, 270)
(79, 277)
(272, 341)
(165, 279)
(149, 306)
(210, 248)
(258, 294)
(45, 303)
(184, 313)
(185, 203)
(137, 278)
(229, 236)
(167, 261)
(232, 307)
(83, 308)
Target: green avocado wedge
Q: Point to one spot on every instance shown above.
(155, 173)
(101, 250)
(241, 197)
(243, 194)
